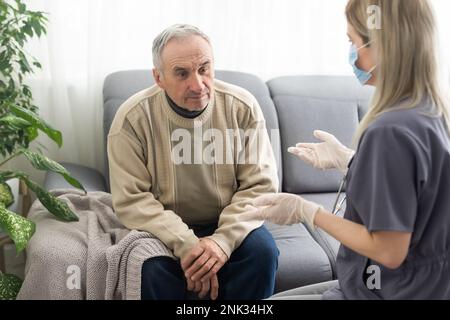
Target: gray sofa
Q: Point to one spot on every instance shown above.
(295, 106)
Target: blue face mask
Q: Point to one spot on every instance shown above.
(363, 76)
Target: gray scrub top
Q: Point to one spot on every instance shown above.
(399, 180)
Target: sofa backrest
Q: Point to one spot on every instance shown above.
(305, 103)
(119, 86)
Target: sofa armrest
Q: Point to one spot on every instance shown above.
(91, 179)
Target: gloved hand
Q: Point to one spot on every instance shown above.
(330, 154)
(283, 209)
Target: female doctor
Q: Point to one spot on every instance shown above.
(395, 233)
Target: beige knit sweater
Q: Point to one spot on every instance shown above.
(169, 173)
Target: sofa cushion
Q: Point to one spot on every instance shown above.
(331, 87)
(299, 117)
(307, 103)
(119, 86)
(302, 260)
(91, 179)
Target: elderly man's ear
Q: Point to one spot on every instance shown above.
(157, 75)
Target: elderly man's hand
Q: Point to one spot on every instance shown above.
(202, 288)
(204, 261)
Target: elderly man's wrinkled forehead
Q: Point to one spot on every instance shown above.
(189, 52)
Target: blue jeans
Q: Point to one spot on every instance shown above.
(249, 274)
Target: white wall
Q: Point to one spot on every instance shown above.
(89, 39)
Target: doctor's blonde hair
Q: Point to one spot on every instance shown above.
(407, 56)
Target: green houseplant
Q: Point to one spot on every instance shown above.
(20, 125)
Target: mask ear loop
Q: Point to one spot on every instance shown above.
(366, 45)
(371, 70)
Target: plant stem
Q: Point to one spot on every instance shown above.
(10, 158)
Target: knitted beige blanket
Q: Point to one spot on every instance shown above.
(93, 258)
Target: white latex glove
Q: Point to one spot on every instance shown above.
(329, 154)
(283, 209)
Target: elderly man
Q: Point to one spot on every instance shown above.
(192, 194)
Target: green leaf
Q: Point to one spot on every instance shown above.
(54, 205)
(6, 195)
(26, 91)
(32, 133)
(24, 65)
(19, 229)
(28, 30)
(4, 64)
(9, 286)
(15, 122)
(8, 174)
(11, 85)
(57, 207)
(37, 26)
(36, 121)
(41, 162)
(19, 37)
(21, 7)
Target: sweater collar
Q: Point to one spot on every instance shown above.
(184, 122)
(183, 112)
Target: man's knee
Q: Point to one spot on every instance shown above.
(157, 266)
(261, 248)
(162, 278)
(159, 269)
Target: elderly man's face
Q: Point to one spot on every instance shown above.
(187, 73)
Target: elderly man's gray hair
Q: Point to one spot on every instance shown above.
(177, 31)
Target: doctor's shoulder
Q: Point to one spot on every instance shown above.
(412, 121)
